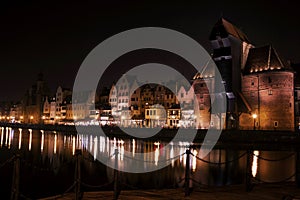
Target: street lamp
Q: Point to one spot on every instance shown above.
(254, 116)
(31, 118)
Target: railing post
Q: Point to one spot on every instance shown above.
(116, 176)
(187, 173)
(16, 179)
(248, 175)
(298, 169)
(78, 194)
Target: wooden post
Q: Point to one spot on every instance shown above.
(78, 194)
(116, 176)
(298, 169)
(248, 175)
(187, 173)
(16, 179)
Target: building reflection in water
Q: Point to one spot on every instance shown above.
(20, 138)
(42, 140)
(30, 139)
(55, 149)
(254, 163)
(2, 135)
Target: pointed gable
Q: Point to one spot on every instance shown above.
(223, 28)
(264, 59)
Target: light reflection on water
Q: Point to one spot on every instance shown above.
(53, 150)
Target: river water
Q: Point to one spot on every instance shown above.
(48, 159)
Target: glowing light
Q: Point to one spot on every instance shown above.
(157, 144)
(2, 133)
(30, 139)
(65, 138)
(91, 143)
(254, 163)
(42, 141)
(122, 150)
(6, 136)
(156, 156)
(133, 147)
(194, 161)
(95, 147)
(20, 138)
(254, 116)
(55, 140)
(10, 137)
(73, 146)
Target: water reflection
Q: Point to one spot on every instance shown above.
(30, 139)
(254, 163)
(53, 149)
(2, 133)
(20, 138)
(42, 140)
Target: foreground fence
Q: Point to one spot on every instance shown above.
(78, 186)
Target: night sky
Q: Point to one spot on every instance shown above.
(54, 37)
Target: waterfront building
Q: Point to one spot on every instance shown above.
(33, 101)
(259, 84)
(155, 116)
(268, 85)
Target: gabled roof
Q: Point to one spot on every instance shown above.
(264, 59)
(223, 28)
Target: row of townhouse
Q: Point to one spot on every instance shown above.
(136, 105)
(60, 109)
(260, 90)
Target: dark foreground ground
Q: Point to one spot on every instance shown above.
(287, 191)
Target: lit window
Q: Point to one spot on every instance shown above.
(201, 106)
(270, 92)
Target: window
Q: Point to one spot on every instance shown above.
(270, 92)
(154, 112)
(201, 96)
(275, 123)
(182, 95)
(252, 82)
(132, 99)
(201, 106)
(150, 112)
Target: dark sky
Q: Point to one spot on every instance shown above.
(54, 37)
